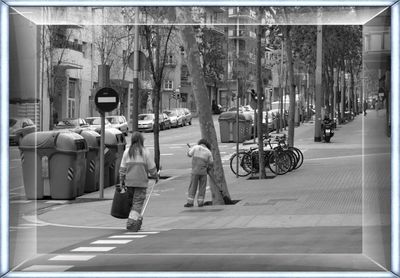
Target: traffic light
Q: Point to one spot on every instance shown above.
(173, 95)
(178, 95)
(254, 95)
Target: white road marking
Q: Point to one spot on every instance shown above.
(346, 156)
(93, 249)
(20, 202)
(72, 258)
(176, 147)
(141, 233)
(47, 268)
(15, 228)
(167, 154)
(16, 188)
(56, 202)
(110, 241)
(128, 236)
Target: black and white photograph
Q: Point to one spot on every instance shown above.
(200, 140)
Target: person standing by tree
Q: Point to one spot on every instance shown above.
(136, 164)
(201, 160)
(365, 107)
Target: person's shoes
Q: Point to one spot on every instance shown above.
(134, 225)
(187, 205)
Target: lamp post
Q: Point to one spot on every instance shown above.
(177, 96)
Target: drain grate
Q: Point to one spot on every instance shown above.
(270, 202)
(201, 210)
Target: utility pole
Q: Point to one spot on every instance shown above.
(342, 96)
(135, 93)
(335, 85)
(104, 81)
(318, 87)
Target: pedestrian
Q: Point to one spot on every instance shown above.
(136, 165)
(201, 160)
(365, 107)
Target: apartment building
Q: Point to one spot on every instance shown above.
(53, 68)
(241, 48)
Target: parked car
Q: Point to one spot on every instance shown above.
(119, 122)
(95, 123)
(165, 122)
(188, 116)
(175, 117)
(245, 110)
(71, 123)
(18, 128)
(146, 122)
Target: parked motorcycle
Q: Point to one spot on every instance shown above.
(327, 130)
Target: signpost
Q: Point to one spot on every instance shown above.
(106, 100)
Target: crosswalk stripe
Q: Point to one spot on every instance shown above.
(46, 268)
(141, 233)
(108, 241)
(128, 236)
(20, 201)
(56, 202)
(72, 258)
(93, 249)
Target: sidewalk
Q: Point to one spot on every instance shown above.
(311, 196)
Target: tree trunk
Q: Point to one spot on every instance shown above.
(203, 106)
(260, 102)
(292, 96)
(156, 108)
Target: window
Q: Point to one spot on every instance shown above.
(71, 99)
(168, 84)
(170, 60)
(85, 49)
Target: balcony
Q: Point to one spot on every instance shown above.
(243, 12)
(67, 58)
(216, 28)
(243, 34)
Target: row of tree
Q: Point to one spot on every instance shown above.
(205, 54)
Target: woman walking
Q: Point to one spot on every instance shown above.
(136, 165)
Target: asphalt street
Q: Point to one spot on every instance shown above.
(309, 219)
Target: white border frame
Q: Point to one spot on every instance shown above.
(395, 118)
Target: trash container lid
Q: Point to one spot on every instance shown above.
(113, 136)
(70, 141)
(92, 137)
(39, 140)
(231, 116)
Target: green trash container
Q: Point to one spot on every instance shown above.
(245, 132)
(226, 120)
(114, 141)
(92, 159)
(228, 127)
(68, 166)
(35, 150)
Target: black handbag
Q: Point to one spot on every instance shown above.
(120, 205)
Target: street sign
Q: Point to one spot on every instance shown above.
(106, 99)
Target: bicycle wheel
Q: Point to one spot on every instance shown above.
(300, 156)
(293, 159)
(279, 163)
(244, 162)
